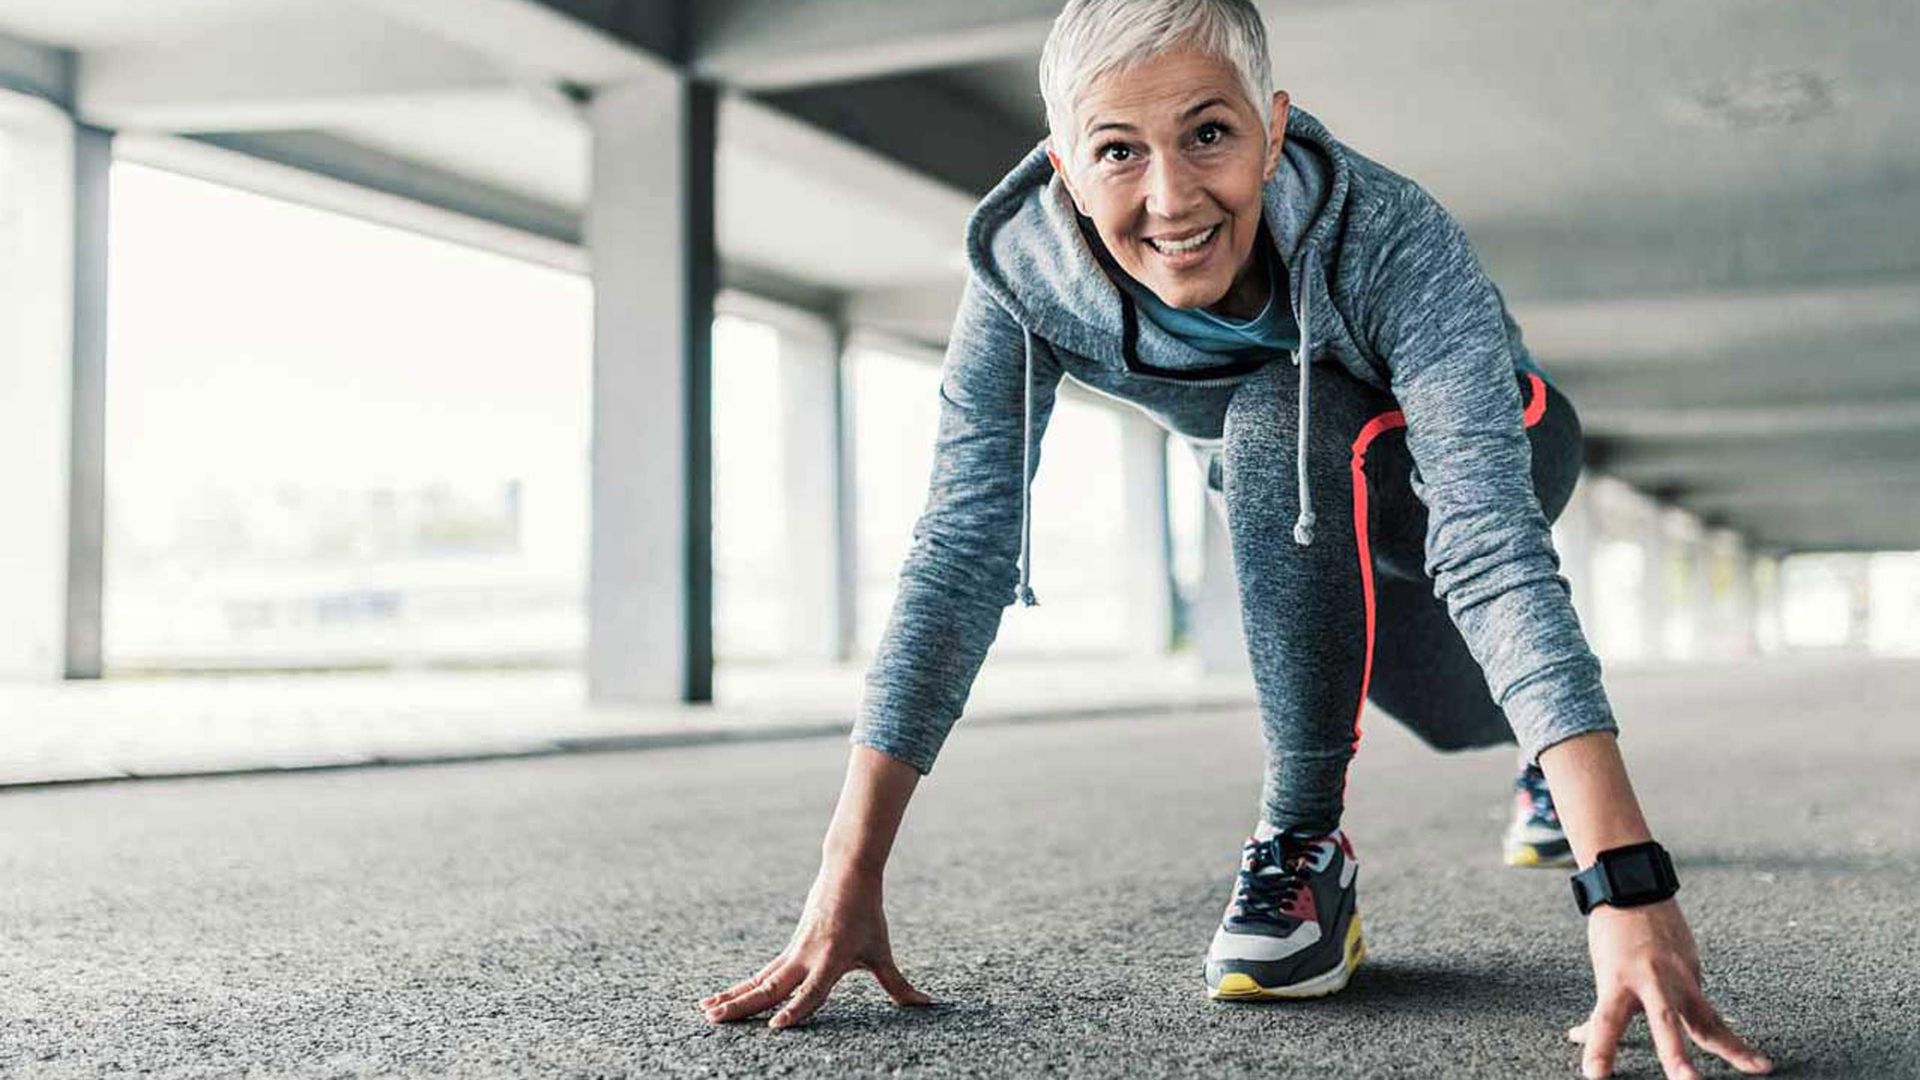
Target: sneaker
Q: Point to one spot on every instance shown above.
(1292, 929)
(1534, 836)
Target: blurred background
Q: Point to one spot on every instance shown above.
(474, 382)
(312, 311)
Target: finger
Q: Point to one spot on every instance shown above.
(1664, 1021)
(1609, 1019)
(810, 996)
(771, 991)
(1578, 1032)
(745, 984)
(1708, 1029)
(896, 985)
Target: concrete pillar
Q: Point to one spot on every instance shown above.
(846, 508)
(1610, 611)
(1147, 535)
(1575, 539)
(1219, 636)
(52, 252)
(1696, 591)
(819, 623)
(1855, 572)
(1657, 549)
(650, 237)
(1733, 635)
(87, 442)
(1683, 613)
(1768, 631)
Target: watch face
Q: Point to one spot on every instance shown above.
(1633, 876)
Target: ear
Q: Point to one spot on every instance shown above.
(1277, 134)
(1065, 179)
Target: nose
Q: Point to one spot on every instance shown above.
(1173, 190)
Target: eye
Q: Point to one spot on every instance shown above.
(1213, 125)
(1101, 153)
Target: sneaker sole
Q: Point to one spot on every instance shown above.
(1528, 856)
(1239, 986)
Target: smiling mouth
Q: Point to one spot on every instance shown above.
(1182, 247)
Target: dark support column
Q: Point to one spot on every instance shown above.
(87, 473)
(703, 283)
(846, 497)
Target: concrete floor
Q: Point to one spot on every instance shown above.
(1054, 890)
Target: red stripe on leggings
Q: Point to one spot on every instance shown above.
(1387, 421)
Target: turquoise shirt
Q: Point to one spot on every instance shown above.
(1271, 331)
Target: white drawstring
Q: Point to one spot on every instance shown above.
(1024, 591)
(1303, 525)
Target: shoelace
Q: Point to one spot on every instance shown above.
(1265, 896)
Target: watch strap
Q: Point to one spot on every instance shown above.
(1626, 876)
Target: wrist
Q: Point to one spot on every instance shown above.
(850, 862)
(1629, 876)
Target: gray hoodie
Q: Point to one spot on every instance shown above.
(1382, 282)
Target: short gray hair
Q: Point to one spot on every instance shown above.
(1092, 39)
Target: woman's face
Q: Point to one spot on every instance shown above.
(1169, 151)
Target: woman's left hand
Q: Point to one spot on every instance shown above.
(1644, 960)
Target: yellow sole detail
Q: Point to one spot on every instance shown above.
(1237, 985)
(1529, 857)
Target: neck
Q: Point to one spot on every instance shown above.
(1248, 294)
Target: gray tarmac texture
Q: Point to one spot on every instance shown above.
(1054, 890)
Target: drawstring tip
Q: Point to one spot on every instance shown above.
(1303, 530)
(1024, 595)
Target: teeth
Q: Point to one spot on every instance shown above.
(1175, 247)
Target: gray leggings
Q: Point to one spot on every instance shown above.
(1306, 610)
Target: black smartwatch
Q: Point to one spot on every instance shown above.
(1626, 877)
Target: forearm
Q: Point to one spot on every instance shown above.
(1593, 795)
(873, 800)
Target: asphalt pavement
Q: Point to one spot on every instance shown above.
(1054, 889)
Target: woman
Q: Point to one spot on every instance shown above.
(1181, 230)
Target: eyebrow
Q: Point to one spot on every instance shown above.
(1190, 113)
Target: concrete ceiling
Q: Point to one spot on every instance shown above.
(1705, 213)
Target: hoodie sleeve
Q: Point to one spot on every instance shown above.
(1435, 317)
(960, 571)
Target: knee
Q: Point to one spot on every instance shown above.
(1261, 443)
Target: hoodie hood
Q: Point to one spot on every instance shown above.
(1043, 263)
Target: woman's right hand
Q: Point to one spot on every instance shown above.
(842, 927)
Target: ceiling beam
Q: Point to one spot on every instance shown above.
(291, 70)
(1675, 327)
(1837, 446)
(329, 173)
(43, 71)
(1764, 494)
(1730, 242)
(1812, 417)
(588, 42)
(920, 122)
(775, 44)
(288, 69)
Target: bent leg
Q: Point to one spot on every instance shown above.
(1423, 674)
(1305, 609)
